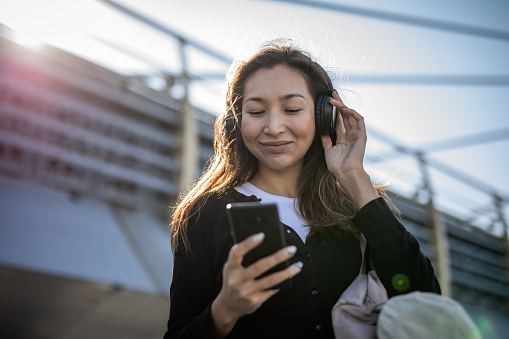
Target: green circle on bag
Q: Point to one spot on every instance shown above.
(400, 282)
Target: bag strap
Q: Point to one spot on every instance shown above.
(363, 243)
(364, 264)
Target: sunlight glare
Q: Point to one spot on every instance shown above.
(27, 39)
(56, 22)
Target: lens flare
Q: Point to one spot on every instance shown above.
(485, 326)
(400, 282)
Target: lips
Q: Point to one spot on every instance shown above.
(275, 143)
(276, 146)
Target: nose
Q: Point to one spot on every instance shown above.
(274, 124)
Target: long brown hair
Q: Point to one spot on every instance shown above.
(321, 200)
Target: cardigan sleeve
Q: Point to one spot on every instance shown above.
(394, 252)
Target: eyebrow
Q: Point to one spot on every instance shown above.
(281, 98)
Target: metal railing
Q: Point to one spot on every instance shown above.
(471, 200)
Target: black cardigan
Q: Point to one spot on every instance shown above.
(330, 265)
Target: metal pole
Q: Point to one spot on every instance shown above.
(419, 21)
(440, 240)
(166, 30)
(441, 249)
(190, 135)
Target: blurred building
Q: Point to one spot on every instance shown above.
(88, 172)
(90, 164)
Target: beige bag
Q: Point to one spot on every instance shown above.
(355, 314)
(424, 315)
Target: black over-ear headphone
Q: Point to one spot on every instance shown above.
(325, 116)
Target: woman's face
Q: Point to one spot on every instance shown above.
(278, 124)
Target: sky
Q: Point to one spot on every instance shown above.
(350, 43)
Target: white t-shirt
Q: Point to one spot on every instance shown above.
(285, 206)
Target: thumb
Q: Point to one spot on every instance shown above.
(326, 142)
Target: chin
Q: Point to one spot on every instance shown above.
(280, 166)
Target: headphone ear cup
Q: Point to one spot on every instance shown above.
(318, 115)
(324, 118)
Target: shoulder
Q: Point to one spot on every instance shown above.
(215, 204)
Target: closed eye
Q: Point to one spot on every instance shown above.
(293, 110)
(256, 112)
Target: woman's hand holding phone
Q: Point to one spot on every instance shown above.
(242, 293)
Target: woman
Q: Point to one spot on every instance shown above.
(266, 148)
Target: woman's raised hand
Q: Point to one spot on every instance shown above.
(348, 153)
(241, 292)
(346, 159)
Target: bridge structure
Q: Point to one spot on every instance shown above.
(91, 159)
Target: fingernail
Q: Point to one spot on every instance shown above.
(299, 265)
(257, 237)
(290, 250)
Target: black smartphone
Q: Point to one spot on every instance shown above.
(248, 218)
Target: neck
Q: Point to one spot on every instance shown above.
(282, 183)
